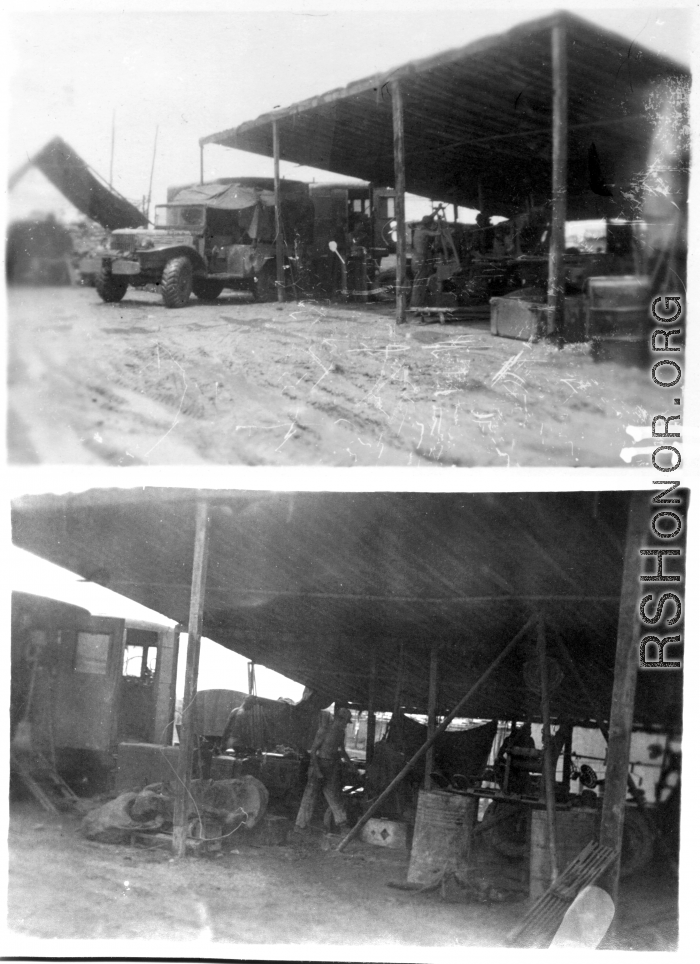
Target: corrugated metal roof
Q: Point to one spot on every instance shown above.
(483, 113)
(311, 584)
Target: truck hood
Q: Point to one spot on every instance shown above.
(150, 238)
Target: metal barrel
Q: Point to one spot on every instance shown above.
(441, 839)
(618, 321)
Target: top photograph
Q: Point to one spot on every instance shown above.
(282, 238)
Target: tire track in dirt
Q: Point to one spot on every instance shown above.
(257, 384)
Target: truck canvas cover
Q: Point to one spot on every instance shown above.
(224, 197)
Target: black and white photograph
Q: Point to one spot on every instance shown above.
(281, 686)
(473, 755)
(391, 237)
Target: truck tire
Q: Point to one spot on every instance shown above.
(206, 289)
(109, 288)
(176, 282)
(265, 283)
(637, 843)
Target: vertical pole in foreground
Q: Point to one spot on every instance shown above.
(279, 241)
(371, 707)
(201, 163)
(400, 201)
(194, 635)
(432, 703)
(547, 745)
(624, 686)
(399, 685)
(555, 286)
(168, 735)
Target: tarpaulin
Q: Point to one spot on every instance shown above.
(74, 179)
(224, 197)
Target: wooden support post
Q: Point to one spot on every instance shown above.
(480, 197)
(279, 240)
(371, 701)
(555, 287)
(201, 163)
(396, 708)
(432, 704)
(194, 635)
(169, 733)
(624, 685)
(566, 771)
(549, 762)
(400, 200)
(440, 729)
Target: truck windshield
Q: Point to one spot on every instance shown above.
(177, 216)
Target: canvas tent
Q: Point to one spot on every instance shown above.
(83, 187)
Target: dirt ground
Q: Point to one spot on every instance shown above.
(303, 895)
(63, 886)
(302, 384)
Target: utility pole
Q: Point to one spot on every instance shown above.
(153, 165)
(111, 153)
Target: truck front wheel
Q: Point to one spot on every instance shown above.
(109, 288)
(206, 289)
(176, 282)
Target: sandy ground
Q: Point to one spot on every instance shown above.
(302, 384)
(63, 886)
(302, 895)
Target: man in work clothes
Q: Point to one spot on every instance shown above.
(422, 265)
(238, 733)
(327, 751)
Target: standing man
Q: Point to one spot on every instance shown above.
(327, 751)
(422, 265)
(238, 733)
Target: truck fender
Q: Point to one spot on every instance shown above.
(163, 255)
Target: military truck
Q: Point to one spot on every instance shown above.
(209, 237)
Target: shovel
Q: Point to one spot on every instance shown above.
(587, 921)
(333, 245)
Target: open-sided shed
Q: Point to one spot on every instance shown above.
(443, 602)
(347, 591)
(555, 111)
(478, 119)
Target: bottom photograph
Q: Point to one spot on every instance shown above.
(329, 721)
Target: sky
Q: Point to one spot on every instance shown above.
(219, 668)
(75, 69)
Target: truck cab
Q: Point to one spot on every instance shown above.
(208, 237)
